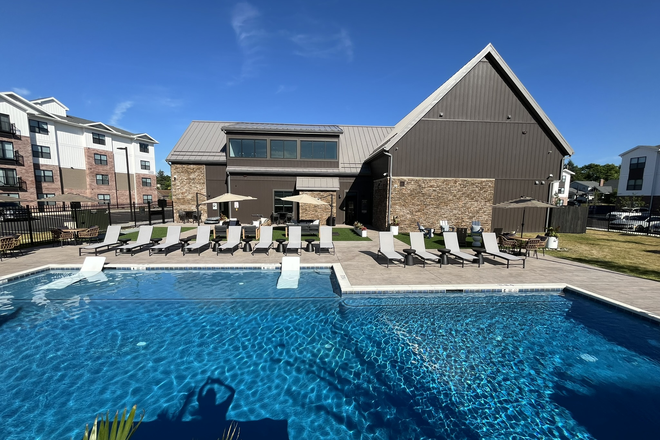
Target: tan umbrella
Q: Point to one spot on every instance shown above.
(304, 198)
(71, 198)
(524, 203)
(229, 197)
(4, 198)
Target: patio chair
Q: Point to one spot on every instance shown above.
(533, 245)
(544, 241)
(265, 240)
(325, 240)
(417, 243)
(386, 248)
(428, 232)
(233, 240)
(63, 236)
(171, 240)
(201, 240)
(451, 243)
(507, 243)
(9, 244)
(445, 226)
(476, 226)
(111, 239)
(143, 240)
(490, 243)
(89, 234)
(294, 239)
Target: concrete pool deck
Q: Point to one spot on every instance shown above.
(358, 260)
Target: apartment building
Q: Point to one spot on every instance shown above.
(44, 151)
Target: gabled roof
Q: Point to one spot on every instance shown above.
(26, 105)
(644, 147)
(49, 99)
(412, 118)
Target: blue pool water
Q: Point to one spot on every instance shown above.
(196, 348)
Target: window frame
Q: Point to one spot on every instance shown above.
(2, 150)
(284, 141)
(145, 165)
(42, 199)
(634, 184)
(147, 198)
(104, 200)
(100, 160)
(43, 176)
(144, 148)
(38, 126)
(98, 138)
(641, 160)
(242, 155)
(284, 204)
(5, 126)
(3, 174)
(148, 180)
(314, 149)
(40, 153)
(104, 178)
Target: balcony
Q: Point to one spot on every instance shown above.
(17, 160)
(13, 183)
(9, 128)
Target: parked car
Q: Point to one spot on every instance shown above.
(637, 223)
(627, 213)
(654, 228)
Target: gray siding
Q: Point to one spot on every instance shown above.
(262, 188)
(511, 219)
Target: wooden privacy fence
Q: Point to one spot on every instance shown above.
(569, 219)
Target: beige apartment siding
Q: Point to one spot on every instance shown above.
(429, 200)
(74, 180)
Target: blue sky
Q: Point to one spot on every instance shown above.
(154, 66)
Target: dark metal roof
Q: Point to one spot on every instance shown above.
(82, 121)
(260, 127)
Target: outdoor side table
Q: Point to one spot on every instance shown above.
(155, 241)
(247, 246)
(443, 255)
(216, 242)
(310, 247)
(184, 243)
(480, 254)
(280, 245)
(409, 261)
(124, 242)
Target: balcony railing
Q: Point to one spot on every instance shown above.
(14, 183)
(16, 160)
(10, 129)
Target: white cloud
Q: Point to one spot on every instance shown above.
(21, 91)
(284, 89)
(120, 109)
(249, 36)
(337, 45)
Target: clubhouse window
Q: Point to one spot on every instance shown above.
(255, 148)
(283, 149)
(318, 150)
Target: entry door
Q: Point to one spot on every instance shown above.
(351, 208)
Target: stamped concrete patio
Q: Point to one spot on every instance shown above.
(358, 260)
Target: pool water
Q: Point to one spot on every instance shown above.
(196, 349)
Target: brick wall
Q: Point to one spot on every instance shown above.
(53, 187)
(186, 181)
(142, 190)
(93, 189)
(427, 201)
(318, 212)
(23, 146)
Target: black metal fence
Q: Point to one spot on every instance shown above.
(35, 224)
(569, 219)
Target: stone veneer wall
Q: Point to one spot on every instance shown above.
(190, 179)
(379, 220)
(429, 200)
(318, 212)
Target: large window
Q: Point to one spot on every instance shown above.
(248, 148)
(146, 181)
(318, 150)
(282, 205)
(145, 165)
(8, 177)
(146, 198)
(283, 149)
(42, 202)
(38, 127)
(43, 175)
(7, 150)
(98, 138)
(5, 123)
(102, 179)
(104, 199)
(144, 148)
(100, 159)
(637, 163)
(634, 184)
(40, 151)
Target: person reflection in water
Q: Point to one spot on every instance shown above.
(207, 408)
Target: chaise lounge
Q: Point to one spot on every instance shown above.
(386, 248)
(417, 243)
(111, 239)
(490, 243)
(201, 240)
(233, 240)
(143, 240)
(451, 243)
(171, 241)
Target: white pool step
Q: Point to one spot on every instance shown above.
(92, 270)
(290, 273)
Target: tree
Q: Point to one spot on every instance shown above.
(163, 180)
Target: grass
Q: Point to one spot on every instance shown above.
(338, 234)
(635, 255)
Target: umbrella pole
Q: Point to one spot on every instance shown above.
(522, 225)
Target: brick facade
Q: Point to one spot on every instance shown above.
(23, 147)
(186, 181)
(94, 189)
(429, 200)
(318, 212)
(144, 190)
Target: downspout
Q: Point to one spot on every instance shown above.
(389, 191)
(229, 191)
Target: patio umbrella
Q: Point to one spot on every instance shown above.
(304, 198)
(229, 197)
(68, 198)
(4, 198)
(524, 203)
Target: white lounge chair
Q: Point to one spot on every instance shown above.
(325, 240)
(386, 248)
(143, 240)
(91, 270)
(445, 226)
(490, 243)
(265, 240)
(290, 273)
(201, 240)
(451, 243)
(111, 239)
(171, 240)
(233, 240)
(417, 243)
(294, 239)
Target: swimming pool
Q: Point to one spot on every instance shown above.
(195, 347)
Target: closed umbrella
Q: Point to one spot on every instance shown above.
(68, 198)
(524, 203)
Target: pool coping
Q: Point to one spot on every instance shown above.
(346, 288)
